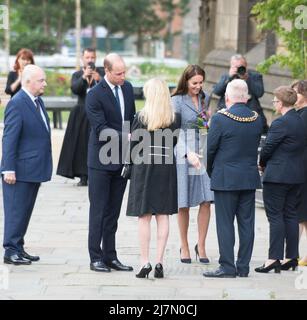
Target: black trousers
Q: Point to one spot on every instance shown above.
(106, 191)
(280, 203)
(228, 205)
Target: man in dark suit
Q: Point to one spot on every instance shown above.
(282, 160)
(108, 106)
(233, 140)
(73, 157)
(26, 161)
(238, 70)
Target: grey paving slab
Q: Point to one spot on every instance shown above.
(58, 233)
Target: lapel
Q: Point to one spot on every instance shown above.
(45, 113)
(187, 101)
(31, 106)
(125, 94)
(111, 97)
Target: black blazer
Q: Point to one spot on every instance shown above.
(105, 117)
(255, 89)
(79, 86)
(11, 78)
(232, 150)
(282, 153)
(303, 114)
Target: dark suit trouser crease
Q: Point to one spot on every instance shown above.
(280, 203)
(106, 191)
(228, 205)
(18, 201)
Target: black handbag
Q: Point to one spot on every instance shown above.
(126, 172)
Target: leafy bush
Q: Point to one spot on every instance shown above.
(58, 84)
(36, 41)
(149, 70)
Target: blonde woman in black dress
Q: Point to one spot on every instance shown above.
(153, 185)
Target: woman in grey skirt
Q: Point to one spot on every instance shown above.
(193, 181)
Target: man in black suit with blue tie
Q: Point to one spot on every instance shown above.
(26, 161)
(233, 140)
(109, 105)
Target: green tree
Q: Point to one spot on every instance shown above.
(43, 20)
(272, 15)
(137, 17)
(91, 14)
(141, 19)
(172, 8)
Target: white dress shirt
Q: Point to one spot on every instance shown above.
(41, 110)
(121, 97)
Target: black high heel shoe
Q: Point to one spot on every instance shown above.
(293, 263)
(201, 260)
(159, 271)
(275, 265)
(184, 260)
(144, 272)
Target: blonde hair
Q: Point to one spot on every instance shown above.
(158, 112)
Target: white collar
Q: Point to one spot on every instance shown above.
(29, 94)
(111, 85)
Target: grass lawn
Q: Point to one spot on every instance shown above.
(65, 114)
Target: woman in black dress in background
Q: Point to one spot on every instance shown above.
(301, 106)
(23, 58)
(153, 186)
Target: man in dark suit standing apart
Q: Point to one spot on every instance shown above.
(282, 160)
(233, 140)
(26, 161)
(238, 70)
(108, 106)
(73, 157)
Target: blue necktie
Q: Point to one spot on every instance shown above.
(117, 97)
(38, 107)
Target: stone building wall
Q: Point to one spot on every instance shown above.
(227, 28)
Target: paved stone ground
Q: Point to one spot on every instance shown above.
(58, 233)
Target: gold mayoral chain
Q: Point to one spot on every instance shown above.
(237, 118)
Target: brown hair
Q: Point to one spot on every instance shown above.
(88, 50)
(301, 87)
(24, 53)
(286, 95)
(189, 72)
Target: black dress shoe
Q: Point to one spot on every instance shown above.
(242, 274)
(117, 265)
(99, 266)
(276, 266)
(293, 263)
(201, 260)
(16, 260)
(144, 272)
(82, 182)
(29, 257)
(159, 271)
(184, 260)
(219, 273)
